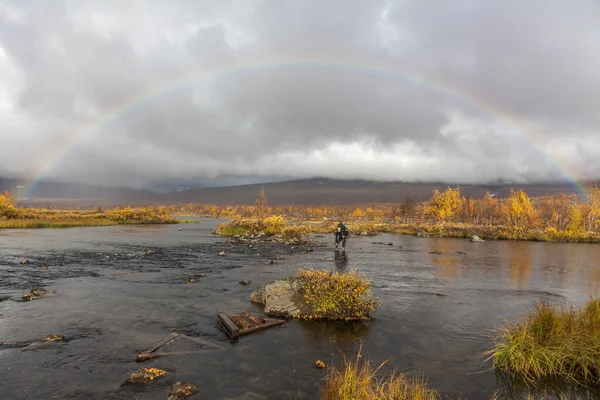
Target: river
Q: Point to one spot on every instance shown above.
(441, 299)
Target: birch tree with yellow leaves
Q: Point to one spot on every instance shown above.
(442, 206)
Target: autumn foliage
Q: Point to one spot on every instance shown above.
(20, 217)
(559, 217)
(550, 218)
(336, 296)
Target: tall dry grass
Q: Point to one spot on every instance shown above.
(359, 379)
(552, 342)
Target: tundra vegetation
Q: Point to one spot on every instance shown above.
(336, 295)
(552, 342)
(560, 218)
(359, 379)
(12, 216)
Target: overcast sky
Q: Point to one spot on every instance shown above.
(464, 90)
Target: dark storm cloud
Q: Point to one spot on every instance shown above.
(260, 111)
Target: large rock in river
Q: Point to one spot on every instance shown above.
(282, 298)
(476, 239)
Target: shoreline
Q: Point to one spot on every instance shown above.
(357, 228)
(447, 230)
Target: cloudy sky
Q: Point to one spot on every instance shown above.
(134, 92)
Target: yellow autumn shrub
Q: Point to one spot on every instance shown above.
(336, 296)
(7, 209)
(273, 225)
(299, 232)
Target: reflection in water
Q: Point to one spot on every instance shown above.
(345, 334)
(444, 256)
(341, 260)
(515, 389)
(593, 282)
(519, 257)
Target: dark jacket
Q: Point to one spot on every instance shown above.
(345, 231)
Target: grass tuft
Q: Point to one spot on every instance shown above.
(552, 342)
(336, 296)
(359, 380)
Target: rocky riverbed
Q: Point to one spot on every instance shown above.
(113, 292)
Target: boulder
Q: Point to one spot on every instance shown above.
(281, 298)
(422, 234)
(476, 239)
(182, 390)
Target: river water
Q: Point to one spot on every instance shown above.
(441, 298)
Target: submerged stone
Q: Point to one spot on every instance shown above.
(245, 282)
(249, 396)
(182, 390)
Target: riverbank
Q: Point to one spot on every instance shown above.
(291, 229)
(12, 217)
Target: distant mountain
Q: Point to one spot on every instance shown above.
(50, 192)
(329, 191)
(317, 191)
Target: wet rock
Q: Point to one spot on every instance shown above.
(281, 298)
(389, 244)
(53, 338)
(364, 234)
(244, 282)
(123, 273)
(35, 293)
(180, 229)
(422, 234)
(49, 339)
(222, 254)
(181, 391)
(145, 355)
(146, 375)
(23, 262)
(476, 239)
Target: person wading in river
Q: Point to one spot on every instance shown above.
(341, 235)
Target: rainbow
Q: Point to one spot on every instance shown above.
(112, 115)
